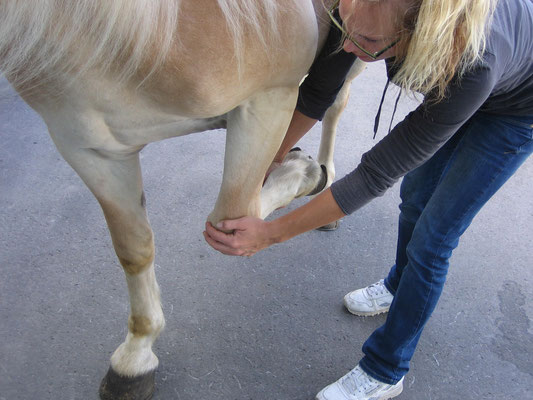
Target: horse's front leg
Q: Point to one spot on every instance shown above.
(114, 177)
(255, 130)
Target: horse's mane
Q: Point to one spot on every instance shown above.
(54, 37)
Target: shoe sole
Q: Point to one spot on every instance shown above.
(329, 227)
(397, 391)
(364, 314)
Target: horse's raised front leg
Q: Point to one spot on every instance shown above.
(114, 177)
(255, 130)
(300, 175)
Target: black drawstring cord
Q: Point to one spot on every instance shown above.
(394, 111)
(378, 115)
(376, 121)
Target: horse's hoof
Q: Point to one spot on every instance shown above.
(329, 227)
(117, 387)
(321, 185)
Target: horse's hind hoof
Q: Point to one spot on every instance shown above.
(117, 387)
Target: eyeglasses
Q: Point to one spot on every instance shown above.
(373, 56)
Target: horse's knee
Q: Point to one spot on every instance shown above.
(135, 260)
(131, 234)
(134, 246)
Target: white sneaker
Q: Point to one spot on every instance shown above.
(358, 385)
(372, 300)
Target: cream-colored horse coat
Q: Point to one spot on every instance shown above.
(109, 77)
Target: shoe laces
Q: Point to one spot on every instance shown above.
(377, 288)
(357, 381)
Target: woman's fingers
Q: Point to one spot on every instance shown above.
(220, 246)
(217, 235)
(247, 236)
(232, 224)
(228, 243)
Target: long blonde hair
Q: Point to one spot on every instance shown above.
(439, 39)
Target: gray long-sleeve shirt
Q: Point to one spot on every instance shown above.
(501, 84)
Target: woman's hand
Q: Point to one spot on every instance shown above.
(248, 237)
(252, 234)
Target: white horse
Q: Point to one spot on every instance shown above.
(109, 77)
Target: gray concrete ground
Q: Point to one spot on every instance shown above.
(269, 327)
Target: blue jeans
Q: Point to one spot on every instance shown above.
(439, 201)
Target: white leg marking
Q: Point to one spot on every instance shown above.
(135, 355)
(297, 176)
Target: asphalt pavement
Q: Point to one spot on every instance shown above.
(268, 327)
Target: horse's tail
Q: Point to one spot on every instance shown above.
(48, 38)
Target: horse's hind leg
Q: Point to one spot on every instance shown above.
(329, 130)
(115, 180)
(331, 120)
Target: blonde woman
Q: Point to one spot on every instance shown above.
(472, 60)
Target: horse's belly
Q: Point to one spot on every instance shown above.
(140, 128)
(114, 121)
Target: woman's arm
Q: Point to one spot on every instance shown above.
(408, 145)
(414, 140)
(253, 234)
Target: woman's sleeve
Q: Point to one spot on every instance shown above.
(326, 77)
(414, 140)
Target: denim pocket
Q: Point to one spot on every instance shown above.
(516, 133)
(523, 135)
(526, 141)
(500, 134)
(523, 122)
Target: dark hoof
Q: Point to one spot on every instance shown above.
(322, 182)
(329, 227)
(117, 387)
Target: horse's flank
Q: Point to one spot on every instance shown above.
(52, 43)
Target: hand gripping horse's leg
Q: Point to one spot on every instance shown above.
(115, 180)
(255, 130)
